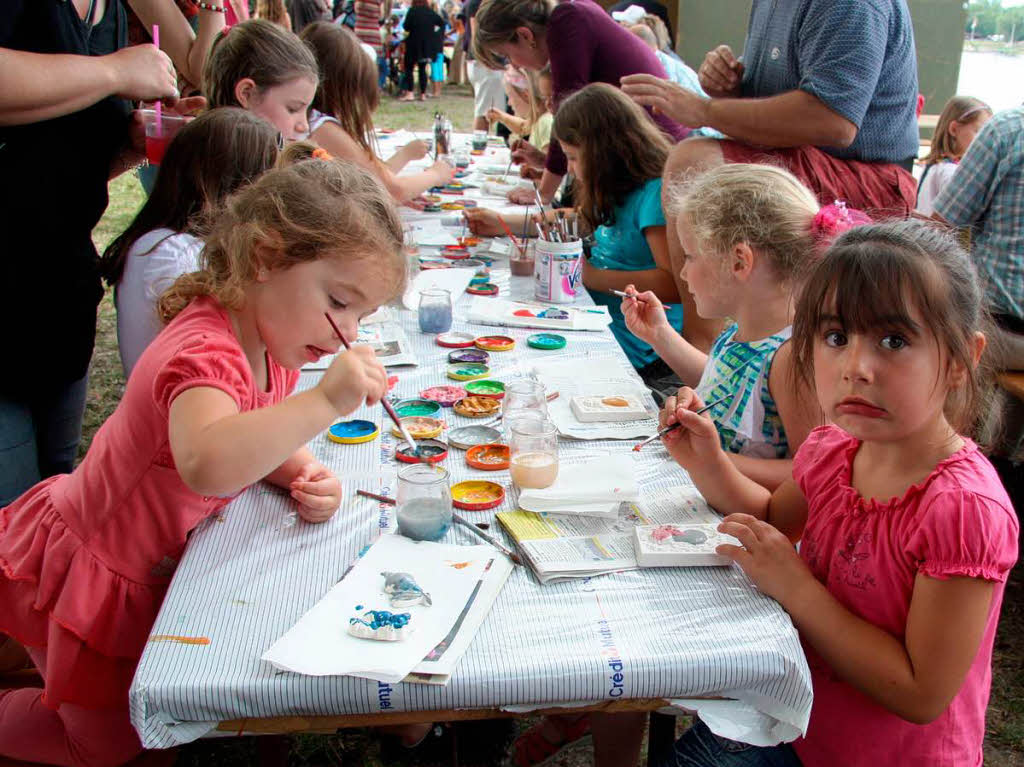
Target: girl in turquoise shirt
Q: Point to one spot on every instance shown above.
(617, 154)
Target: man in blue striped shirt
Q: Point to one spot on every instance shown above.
(826, 88)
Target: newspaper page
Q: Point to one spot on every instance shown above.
(559, 547)
(388, 341)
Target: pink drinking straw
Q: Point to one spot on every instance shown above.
(159, 106)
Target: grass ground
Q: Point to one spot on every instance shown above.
(1004, 745)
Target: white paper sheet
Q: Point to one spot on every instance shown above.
(320, 645)
(496, 311)
(595, 488)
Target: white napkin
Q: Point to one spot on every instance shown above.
(594, 488)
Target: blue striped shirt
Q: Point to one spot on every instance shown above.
(987, 194)
(856, 56)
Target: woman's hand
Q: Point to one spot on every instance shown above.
(522, 195)
(721, 73)
(644, 314)
(525, 153)
(144, 73)
(695, 442)
(134, 152)
(483, 222)
(494, 115)
(667, 98)
(317, 491)
(355, 377)
(766, 556)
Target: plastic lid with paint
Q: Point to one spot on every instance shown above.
(453, 340)
(487, 388)
(468, 371)
(546, 341)
(477, 407)
(466, 437)
(491, 457)
(431, 449)
(469, 355)
(420, 427)
(477, 495)
(486, 289)
(495, 343)
(353, 432)
(446, 396)
(425, 406)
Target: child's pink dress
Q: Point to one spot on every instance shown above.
(956, 522)
(85, 558)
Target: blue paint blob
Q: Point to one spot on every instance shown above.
(353, 429)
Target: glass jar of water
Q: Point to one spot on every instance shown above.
(534, 449)
(424, 502)
(435, 310)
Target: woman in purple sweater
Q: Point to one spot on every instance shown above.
(582, 45)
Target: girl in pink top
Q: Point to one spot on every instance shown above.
(85, 558)
(906, 534)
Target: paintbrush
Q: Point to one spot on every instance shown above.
(509, 232)
(374, 496)
(673, 427)
(624, 294)
(387, 405)
(490, 539)
(526, 223)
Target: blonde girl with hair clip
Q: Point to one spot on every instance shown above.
(341, 120)
(260, 67)
(906, 533)
(86, 558)
(530, 111)
(961, 120)
(748, 233)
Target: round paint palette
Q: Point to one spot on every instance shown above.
(446, 396)
(469, 436)
(546, 341)
(492, 457)
(486, 388)
(476, 495)
(468, 371)
(413, 407)
(453, 340)
(495, 343)
(469, 355)
(477, 406)
(455, 253)
(461, 204)
(468, 241)
(432, 260)
(419, 427)
(430, 449)
(485, 289)
(353, 432)
(430, 208)
(435, 265)
(431, 199)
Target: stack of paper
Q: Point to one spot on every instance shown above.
(592, 489)
(462, 581)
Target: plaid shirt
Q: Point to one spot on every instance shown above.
(987, 194)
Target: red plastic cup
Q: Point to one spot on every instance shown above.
(160, 129)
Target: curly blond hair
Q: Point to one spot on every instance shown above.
(310, 210)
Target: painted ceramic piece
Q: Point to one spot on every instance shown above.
(445, 396)
(353, 432)
(495, 343)
(382, 625)
(403, 590)
(486, 388)
(477, 495)
(492, 457)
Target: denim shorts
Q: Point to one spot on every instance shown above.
(699, 747)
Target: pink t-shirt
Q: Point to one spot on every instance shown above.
(85, 558)
(957, 522)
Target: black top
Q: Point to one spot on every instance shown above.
(426, 34)
(651, 6)
(55, 173)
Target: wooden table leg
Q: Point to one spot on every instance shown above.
(661, 734)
